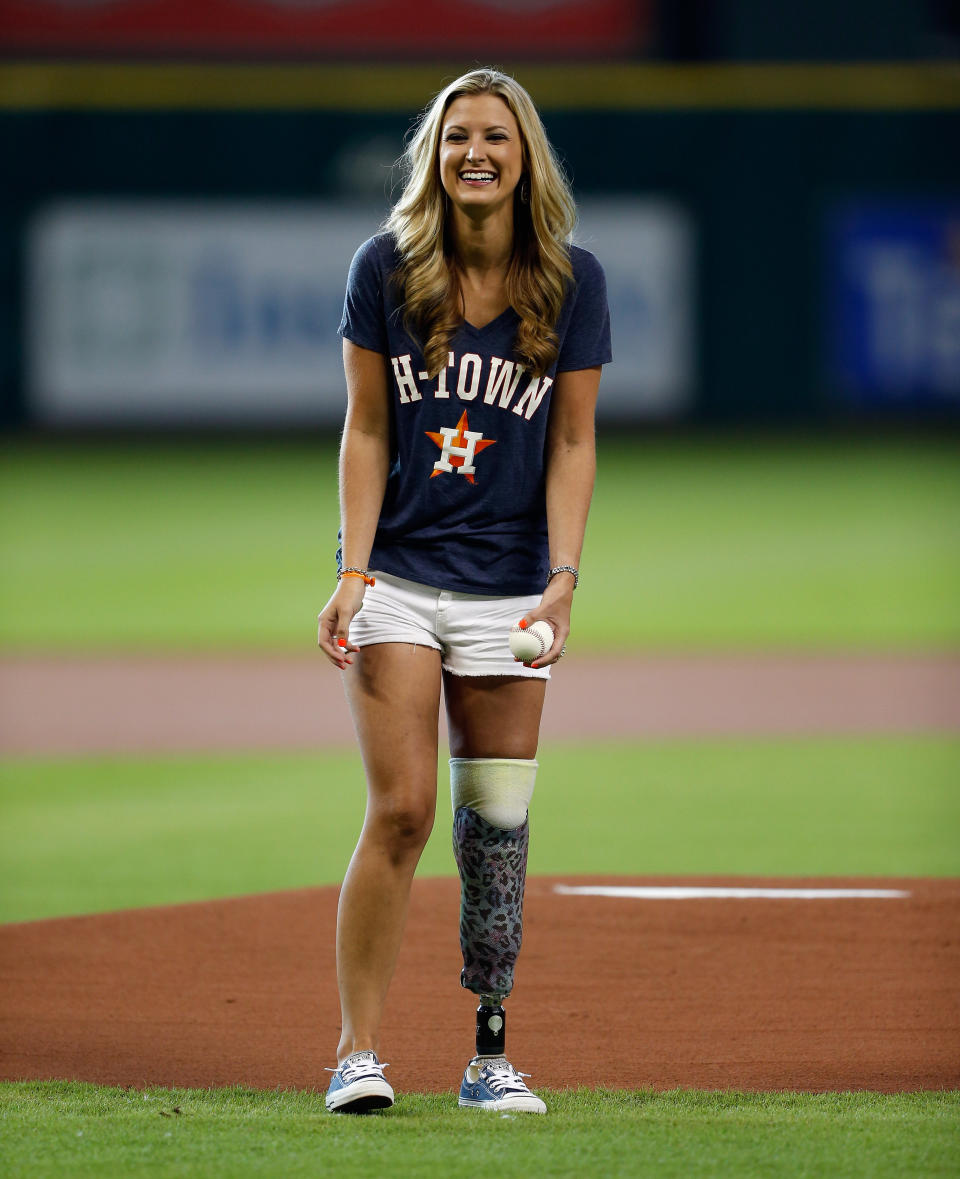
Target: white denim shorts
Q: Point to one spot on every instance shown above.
(471, 631)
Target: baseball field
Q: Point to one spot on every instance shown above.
(762, 694)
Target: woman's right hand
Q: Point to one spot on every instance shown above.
(333, 621)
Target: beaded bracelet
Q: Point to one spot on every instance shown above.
(565, 569)
(352, 572)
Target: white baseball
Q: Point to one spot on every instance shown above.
(529, 644)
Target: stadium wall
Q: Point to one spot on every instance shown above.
(762, 184)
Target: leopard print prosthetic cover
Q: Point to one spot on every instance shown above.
(493, 871)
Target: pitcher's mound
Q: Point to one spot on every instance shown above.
(741, 993)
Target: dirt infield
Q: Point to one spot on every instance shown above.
(746, 994)
(159, 704)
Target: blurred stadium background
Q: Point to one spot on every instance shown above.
(773, 190)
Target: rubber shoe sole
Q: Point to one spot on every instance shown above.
(360, 1098)
(529, 1104)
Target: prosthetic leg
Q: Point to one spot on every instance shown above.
(490, 840)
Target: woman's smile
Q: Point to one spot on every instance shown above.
(479, 177)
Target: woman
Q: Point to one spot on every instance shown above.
(473, 336)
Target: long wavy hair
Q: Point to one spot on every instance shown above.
(539, 269)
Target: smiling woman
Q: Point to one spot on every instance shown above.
(481, 169)
(481, 164)
(457, 522)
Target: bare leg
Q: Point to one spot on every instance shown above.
(393, 691)
(493, 716)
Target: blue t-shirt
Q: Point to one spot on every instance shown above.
(464, 507)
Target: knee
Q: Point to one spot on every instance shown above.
(402, 825)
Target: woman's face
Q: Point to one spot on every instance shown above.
(481, 152)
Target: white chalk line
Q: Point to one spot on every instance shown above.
(720, 893)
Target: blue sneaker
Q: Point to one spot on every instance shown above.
(358, 1086)
(491, 1082)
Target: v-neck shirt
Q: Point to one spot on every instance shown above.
(465, 502)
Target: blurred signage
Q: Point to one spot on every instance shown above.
(189, 313)
(531, 28)
(894, 323)
(647, 249)
(143, 314)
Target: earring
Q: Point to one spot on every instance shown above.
(525, 190)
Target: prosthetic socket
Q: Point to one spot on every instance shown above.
(490, 841)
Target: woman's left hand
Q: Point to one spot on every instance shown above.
(553, 609)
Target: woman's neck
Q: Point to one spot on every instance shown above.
(482, 244)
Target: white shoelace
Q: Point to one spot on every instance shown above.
(352, 1070)
(502, 1076)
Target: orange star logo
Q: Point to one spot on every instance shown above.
(459, 446)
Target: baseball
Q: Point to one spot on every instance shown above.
(529, 643)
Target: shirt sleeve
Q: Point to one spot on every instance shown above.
(363, 319)
(587, 340)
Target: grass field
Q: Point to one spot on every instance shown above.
(82, 1130)
(754, 544)
(780, 543)
(90, 835)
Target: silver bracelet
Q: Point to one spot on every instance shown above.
(565, 569)
(354, 571)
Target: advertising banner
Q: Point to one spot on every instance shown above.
(222, 314)
(893, 329)
(381, 28)
(167, 313)
(648, 250)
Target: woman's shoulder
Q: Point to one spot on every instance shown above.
(589, 280)
(586, 266)
(378, 252)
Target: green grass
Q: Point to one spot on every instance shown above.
(91, 835)
(775, 543)
(56, 1129)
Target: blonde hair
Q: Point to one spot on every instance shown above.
(539, 270)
